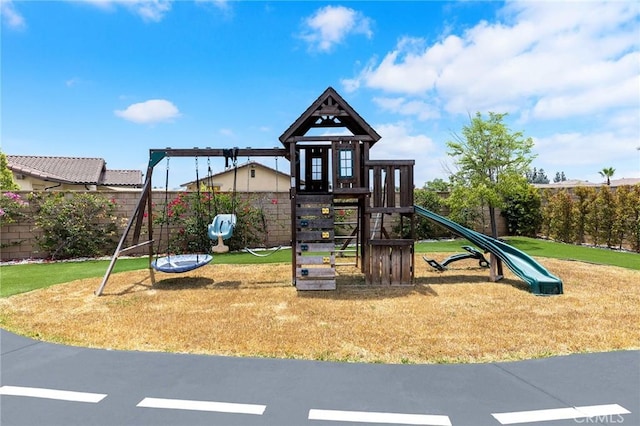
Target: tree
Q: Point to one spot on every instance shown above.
(523, 213)
(559, 216)
(607, 173)
(428, 198)
(6, 177)
(537, 176)
(603, 217)
(584, 198)
(437, 185)
(492, 163)
(627, 219)
(560, 177)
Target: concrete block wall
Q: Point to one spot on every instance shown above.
(18, 240)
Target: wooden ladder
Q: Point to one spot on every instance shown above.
(347, 231)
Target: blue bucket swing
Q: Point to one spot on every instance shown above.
(223, 225)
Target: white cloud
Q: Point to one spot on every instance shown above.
(584, 151)
(590, 100)
(10, 16)
(148, 10)
(420, 109)
(399, 143)
(547, 60)
(218, 4)
(148, 112)
(331, 25)
(72, 82)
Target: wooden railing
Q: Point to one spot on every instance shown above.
(385, 179)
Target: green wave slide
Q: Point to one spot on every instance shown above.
(539, 279)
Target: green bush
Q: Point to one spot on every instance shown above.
(560, 218)
(12, 208)
(522, 212)
(601, 216)
(75, 225)
(582, 206)
(425, 228)
(627, 223)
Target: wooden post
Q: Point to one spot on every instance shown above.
(495, 269)
(138, 211)
(294, 168)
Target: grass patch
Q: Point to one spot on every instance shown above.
(15, 279)
(238, 310)
(545, 248)
(21, 278)
(601, 256)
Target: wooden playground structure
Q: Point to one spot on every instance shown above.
(330, 174)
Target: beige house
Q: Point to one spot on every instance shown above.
(250, 177)
(40, 173)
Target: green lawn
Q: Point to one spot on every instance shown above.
(543, 248)
(16, 279)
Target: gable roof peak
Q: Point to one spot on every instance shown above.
(329, 110)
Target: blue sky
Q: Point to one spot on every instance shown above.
(113, 78)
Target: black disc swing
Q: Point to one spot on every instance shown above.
(223, 225)
(178, 263)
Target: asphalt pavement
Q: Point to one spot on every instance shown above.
(48, 384)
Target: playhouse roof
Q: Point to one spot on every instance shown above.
(330, 110)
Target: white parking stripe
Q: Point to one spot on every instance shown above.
(560, 414)
(52, 394)
(376, 417)
(185, 404)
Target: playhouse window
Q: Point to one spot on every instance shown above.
(316, 168)
(346, 163)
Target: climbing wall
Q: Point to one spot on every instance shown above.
(315, 242)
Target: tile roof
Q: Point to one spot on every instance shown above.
(73, 170)
(122, 178)
(575, 182)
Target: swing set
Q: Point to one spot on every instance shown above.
(219, 230)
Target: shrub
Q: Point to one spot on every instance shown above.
(425, 228)
(560, 216)
(522, 212)
(597, 216)
(6, 176)
(12, 208)
(75, 225)
(600, 219)
(582, 206)
(627, 220)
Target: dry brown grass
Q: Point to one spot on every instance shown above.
(455, 316)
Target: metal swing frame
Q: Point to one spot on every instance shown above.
(144, 203)
(178, 263)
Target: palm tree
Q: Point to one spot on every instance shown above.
(607, 172)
